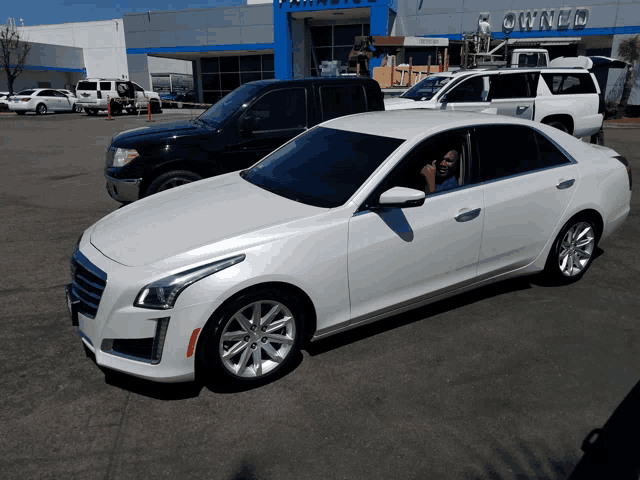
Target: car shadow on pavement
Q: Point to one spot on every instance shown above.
(613, 451)
(360, 333)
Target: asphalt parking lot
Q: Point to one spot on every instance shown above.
(504, 382)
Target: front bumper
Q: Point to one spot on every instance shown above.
(126, 190)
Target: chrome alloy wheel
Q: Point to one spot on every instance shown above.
(257, 338)
(576, 249)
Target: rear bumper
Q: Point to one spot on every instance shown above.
(126, 190)
(96, 104)
(21, 107)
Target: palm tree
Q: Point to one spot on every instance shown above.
(628, 51)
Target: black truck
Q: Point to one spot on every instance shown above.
(233, 134)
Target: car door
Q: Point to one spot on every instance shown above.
(470, 95)
(49, 99)
(398, 256)
(273, 119)
(528, 185)
(515, 94)
(63, 102)
(141, 97)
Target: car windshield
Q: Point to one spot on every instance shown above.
(324, 167)
(223, 109)
(26, 93)
(427, 88)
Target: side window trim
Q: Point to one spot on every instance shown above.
(306, 106)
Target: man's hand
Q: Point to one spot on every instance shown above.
(429, 172)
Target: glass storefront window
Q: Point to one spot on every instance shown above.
(250, 63)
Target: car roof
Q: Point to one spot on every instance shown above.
(407, 124)
(461, 73)
(338, 79)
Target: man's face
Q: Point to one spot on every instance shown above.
(448, 165)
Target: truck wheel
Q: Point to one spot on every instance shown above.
(155, 107)
(559, 125)
(598, 138)
(172, 179)
(180, 105)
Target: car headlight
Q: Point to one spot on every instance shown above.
(162, 294)
(124, 156)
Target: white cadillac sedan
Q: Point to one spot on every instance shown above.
(358, 219)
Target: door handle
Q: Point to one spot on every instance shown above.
(466, 216)
(565, 184)
(522, 108)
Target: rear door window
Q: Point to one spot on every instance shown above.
(550, 155)
(87, 86)
(569, 83)
(46, 93)
(339, 100)
(503, 151)
(516, 85)
(105, 85)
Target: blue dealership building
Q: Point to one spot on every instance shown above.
(242, 40)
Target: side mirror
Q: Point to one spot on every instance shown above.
(401, 197)
(248, 123)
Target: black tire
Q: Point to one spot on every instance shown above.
(259, 343)
(41, 109)
(155, 107)
(598, 138)
(559, 125)
(92, 112)
(172, 179)
(116, 108)
(577, 263)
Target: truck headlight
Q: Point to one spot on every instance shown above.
(162, 294)
(123, 156)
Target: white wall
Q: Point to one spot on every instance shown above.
(105, 53)
(169, 65)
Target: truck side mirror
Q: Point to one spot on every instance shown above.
(248, 123)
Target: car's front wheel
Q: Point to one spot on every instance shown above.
(253, 338)
(573, 250)
(172, 179)
(41, 109)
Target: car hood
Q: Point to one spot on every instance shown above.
(190, 217)
(160, 133)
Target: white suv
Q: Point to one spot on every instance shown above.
(566, 98)
(93, 93)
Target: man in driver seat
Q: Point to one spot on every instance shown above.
(442, 175)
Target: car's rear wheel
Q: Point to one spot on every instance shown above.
(91, 111)
(172, 179)
(572, 251)
(253, 338)
(41, 109)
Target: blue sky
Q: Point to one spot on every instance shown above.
(44, 12)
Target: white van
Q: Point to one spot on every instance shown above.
(566, 98)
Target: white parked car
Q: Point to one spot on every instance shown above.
(41, 101)
(566, 98)
(4, 100)
(77, 108)
(335, 229)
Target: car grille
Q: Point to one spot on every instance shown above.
(87, 284)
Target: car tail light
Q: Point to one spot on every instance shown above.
(625, 162)
(99, 94)
(25, 99)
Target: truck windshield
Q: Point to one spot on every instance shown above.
(223, 109)
(427, 88)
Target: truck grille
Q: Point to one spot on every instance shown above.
(87, 284)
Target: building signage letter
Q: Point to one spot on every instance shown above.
(581, 18)
(546, 19)
(563, 19)
(321, 2)
(526, 20)
(508, 22)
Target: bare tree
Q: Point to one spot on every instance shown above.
(628, 51)
(14, 52)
